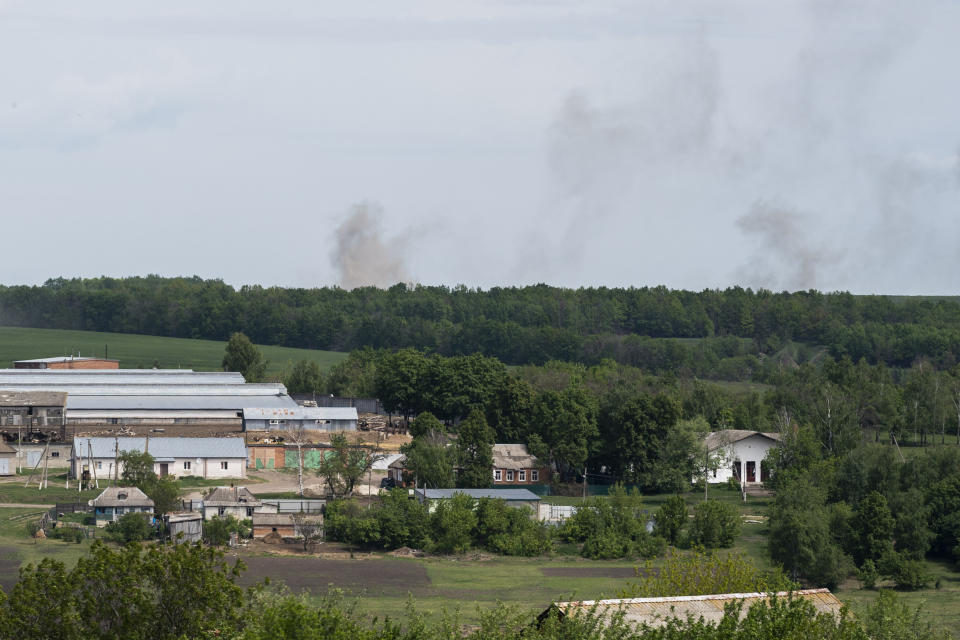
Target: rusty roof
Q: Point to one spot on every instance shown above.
(656, 611)
(10, 398)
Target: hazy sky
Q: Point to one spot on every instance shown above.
(693, 144)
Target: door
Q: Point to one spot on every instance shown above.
(33, 457)
(751, 471)
(4, 466)
(163, 469)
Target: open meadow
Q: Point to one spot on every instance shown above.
(138, 351)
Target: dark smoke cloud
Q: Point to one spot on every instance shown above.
(784, 255)
(362, 256)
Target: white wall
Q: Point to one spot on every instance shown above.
(205, 468)
(753, 449)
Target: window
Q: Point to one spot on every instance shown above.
(99, 464)
(224, 464)
(496, 475)
(121, 496)
(249, 512)
(534, 475)
(186, 465)
(221, 511)
(55, 454)
(510, 475)
(274, 422)
(523, 476)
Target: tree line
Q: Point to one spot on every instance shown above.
(518, 325)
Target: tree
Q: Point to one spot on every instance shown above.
(872, 529)
(309, 528)
(425, 424)
(567, 426)
(715, 524)
(453, 522)
(345, 464)
(703, 573)
(131, 527)
(670, 519)
(243, 356)
(475, 451)
(430, 460)
(138, 472)
(304, 377)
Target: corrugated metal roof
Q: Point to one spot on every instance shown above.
(656, 611)
(99, 372)
(249, 390)
(231, 496)
(300, 413)
(32, 398)
(121, 497)
(177, 403)
(718, 439)
(505, 494)
(59, 377)
(129, 414)
(163, 447)
(66, 359)
(513, 456)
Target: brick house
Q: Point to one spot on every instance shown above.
(513, 465)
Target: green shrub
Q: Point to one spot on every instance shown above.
(131, 527)
(715, 524)
(868, 574)
(670, 519)
(68, 534)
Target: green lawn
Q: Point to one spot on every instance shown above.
(136, 351)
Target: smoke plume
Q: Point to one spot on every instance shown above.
(362, 256)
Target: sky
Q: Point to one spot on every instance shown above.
(688, 143)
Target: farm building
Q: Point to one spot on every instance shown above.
(230, 501)
(184, 526)
(740, 454)
(202, 457)
(8, 459)
(56, 455)
(513, 497)
(67, 362)
(27, 415)
(284, 525)
(656, 612)
(116, 502)
(262, 418)
(513, 464)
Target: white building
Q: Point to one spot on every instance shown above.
(740, 454)
(264, 418)
(202, 457)
(233, 501)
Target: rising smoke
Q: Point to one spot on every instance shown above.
(363, 256)
(798, 178)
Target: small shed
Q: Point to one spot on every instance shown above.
(513, 497)
(116, 502)
(8, 459)
(184, 526)
(238, 502)
(656, 612)
(265, 524)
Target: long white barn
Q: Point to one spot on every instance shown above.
(203, 457)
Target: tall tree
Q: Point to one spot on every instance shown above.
(430, 460)
(243, 356)
(475, 441)
(345, 464)
(304, 377)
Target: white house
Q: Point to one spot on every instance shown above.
(232, 501)
(202, 457)
(115, 502)
(740, 454)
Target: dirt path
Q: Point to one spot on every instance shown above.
(24, 505)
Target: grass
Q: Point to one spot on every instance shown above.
(138, 351)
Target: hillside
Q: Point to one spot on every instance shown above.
(136, 351)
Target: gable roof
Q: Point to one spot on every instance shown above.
(121, 497)
(718, 439)
(163, 447)
(231, 497)
(5, 448)
(505, 494)
(513, 456)
(13, 398)
(656, 611)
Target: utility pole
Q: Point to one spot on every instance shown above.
(584, 483)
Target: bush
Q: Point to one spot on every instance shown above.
(715, 524)
(453, 522)
(68, 534)
(509, 530)
(611, 528)
(217, 530)
(131, 527)
(908, 573)
(671, 518)
(868, 574)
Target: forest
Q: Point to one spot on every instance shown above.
(731, 334)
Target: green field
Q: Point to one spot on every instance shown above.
(141, 352)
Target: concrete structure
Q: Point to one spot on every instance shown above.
(656, 612)
(230, 501)
(27, 415)
(513, 497)
(31, 455)
(262, 418)
(184, 526)
(202, 457)
(67, 362)
(740, 454)
(8, 459)
(513, 465)
(292, 505)
(116, 502)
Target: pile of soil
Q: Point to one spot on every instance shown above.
(406, 552)
(272, 538)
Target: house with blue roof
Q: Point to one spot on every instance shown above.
(97, 458)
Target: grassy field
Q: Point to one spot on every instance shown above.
(136, 351)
